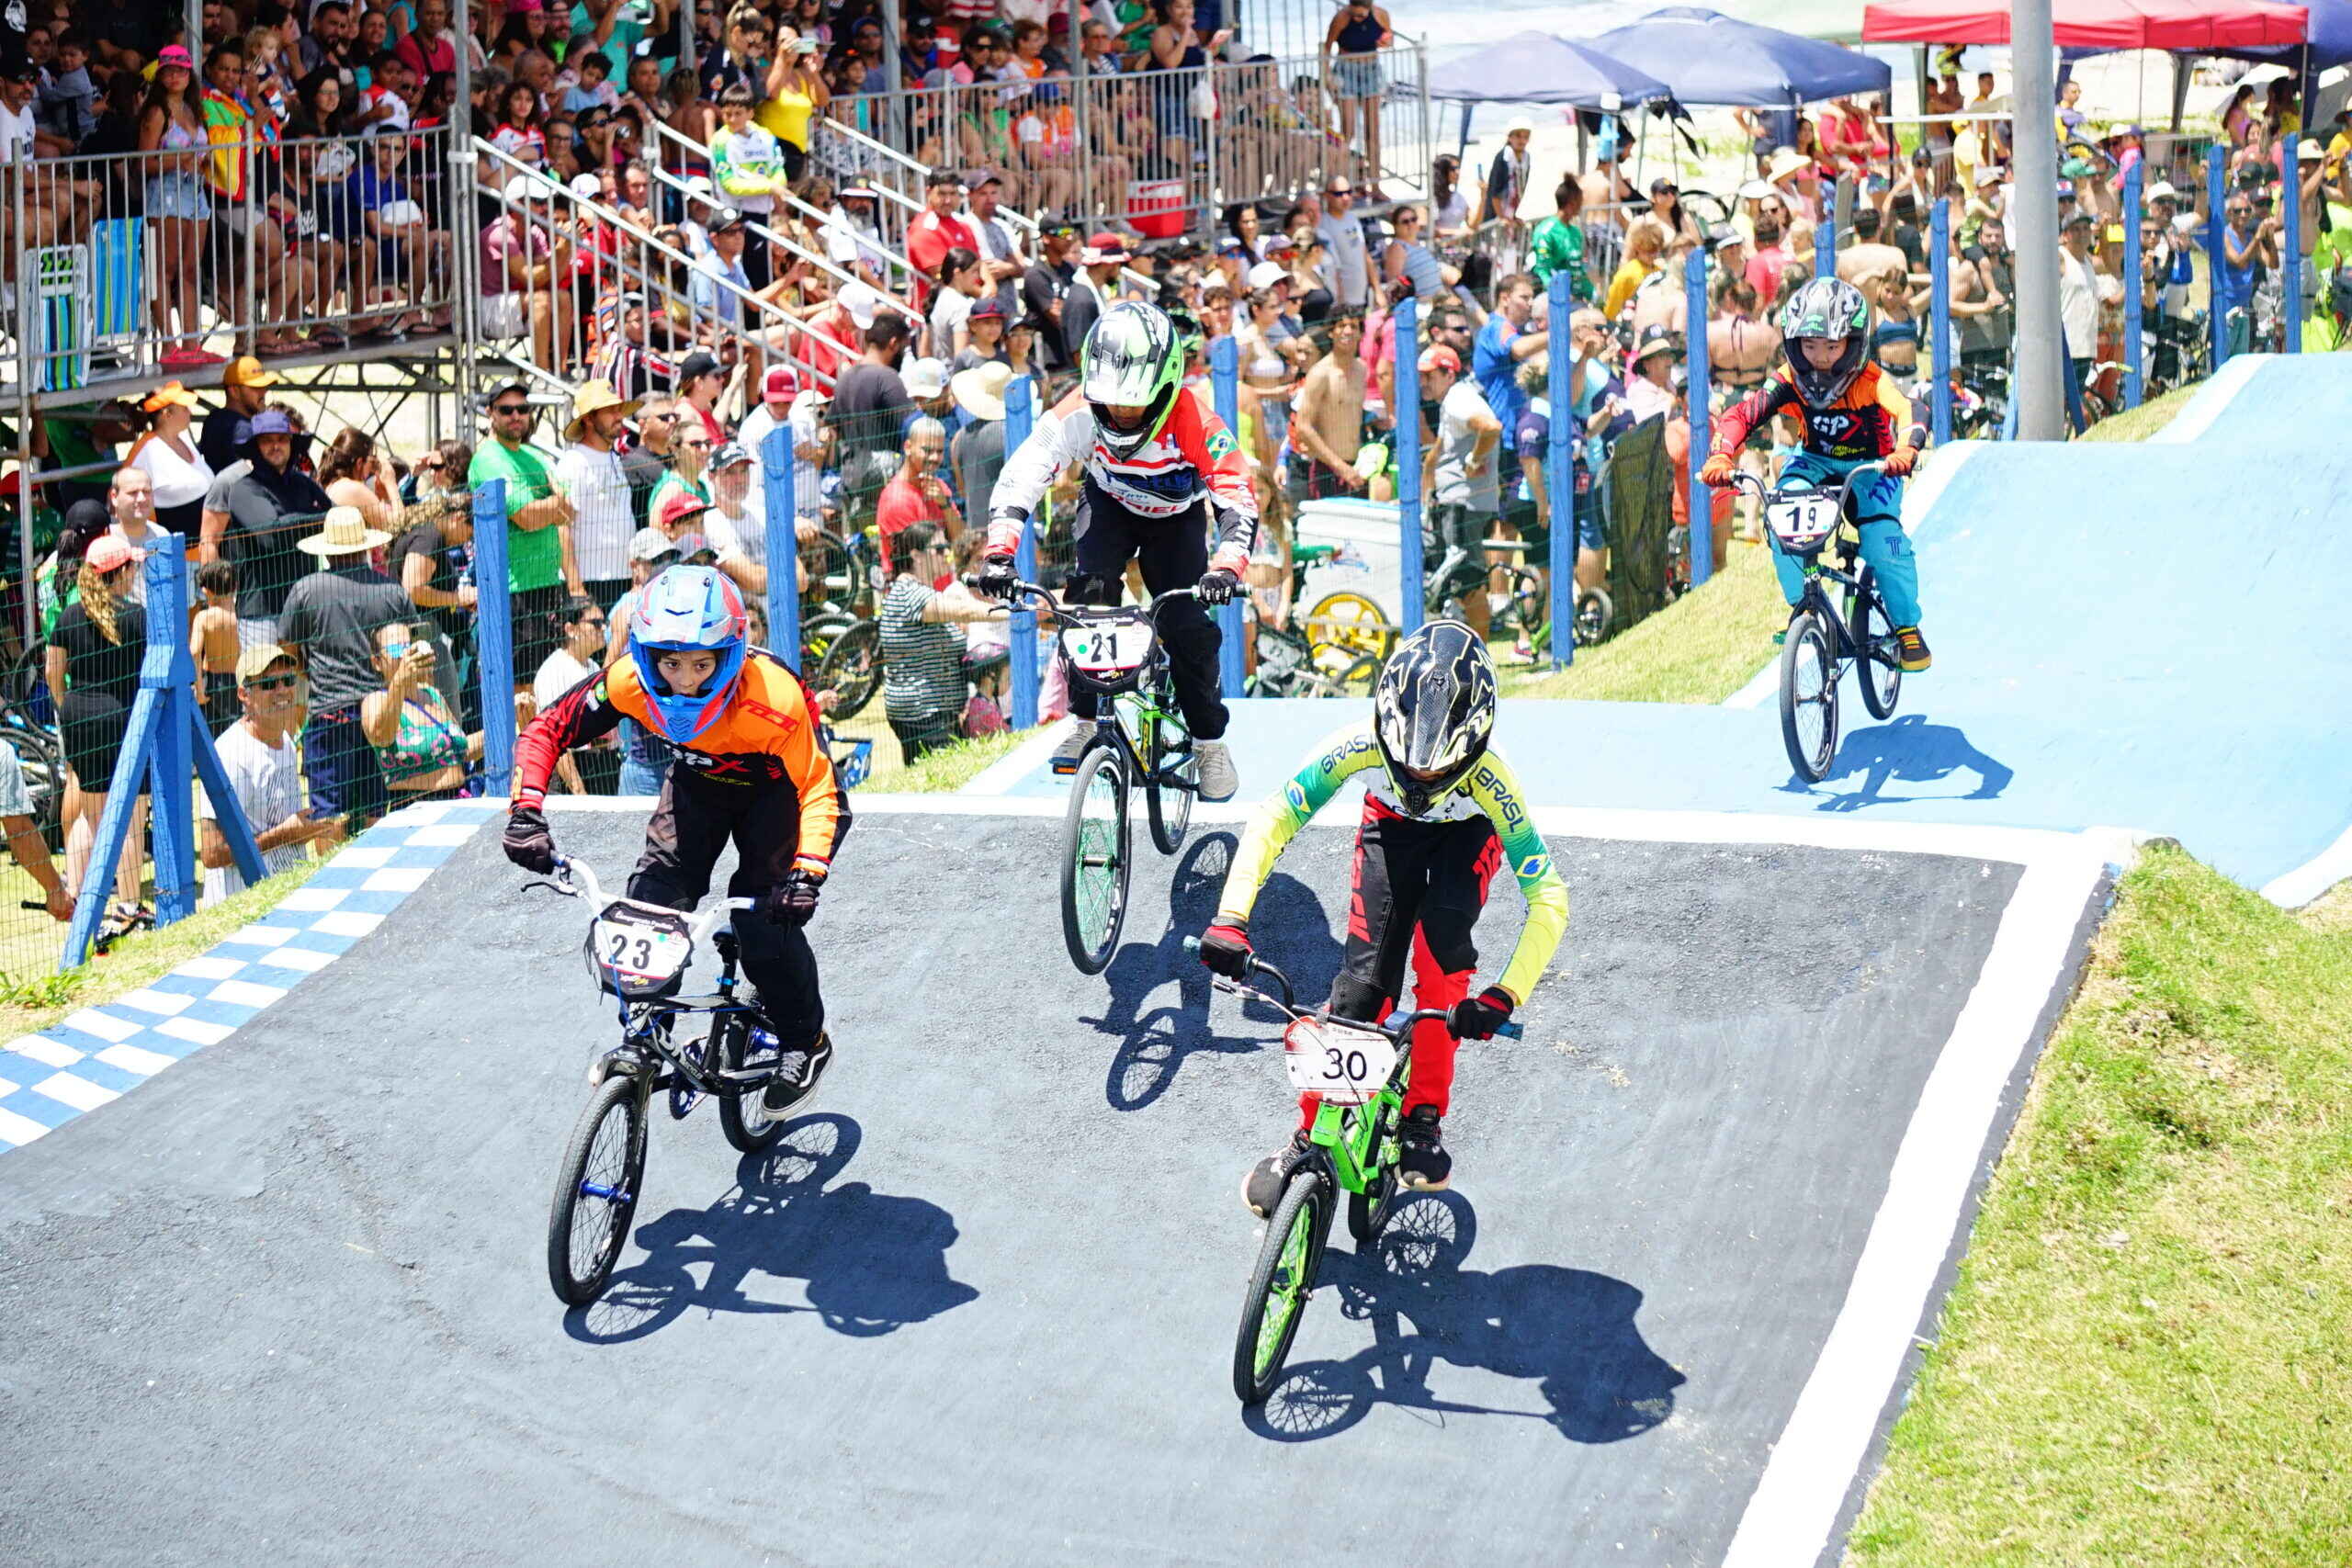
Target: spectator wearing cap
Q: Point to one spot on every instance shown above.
(540, 566)
(700, 382)
(525, 260)
(645, 762)
(265, 774)
(1461, 473)
(329, 623)
(1649, 389)
(594, 484)
(268, 510)
(926, 383)
(984, 336)
(1044, 287)
(1091, 290)
(937, 230)
(733, 527)
(2083, 288)
(432, 559)
(843, 324)
(242, 385)
(1508, 175)
(852, 236)
(784, 405)
(92, 666)
(1003, 261)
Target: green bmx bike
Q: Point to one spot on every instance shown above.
(1139, 736)
(1359, 1069)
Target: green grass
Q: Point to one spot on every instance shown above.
(1701, 648)
(951, 768)
(2145, 1359)
(2137, 424)
(31, 1002)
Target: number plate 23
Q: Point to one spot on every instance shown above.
(1115, 647)
(1346, 1066)
(638, 950)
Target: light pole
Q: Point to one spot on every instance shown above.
(2042, 398)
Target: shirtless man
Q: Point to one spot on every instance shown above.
(1867, 261)
(1327, 418)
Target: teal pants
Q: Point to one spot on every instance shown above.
(1887, 549)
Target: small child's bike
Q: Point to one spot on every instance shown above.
(1359, 1069)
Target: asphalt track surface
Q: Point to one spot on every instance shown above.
(289, 1303)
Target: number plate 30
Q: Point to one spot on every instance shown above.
(1345, 1066)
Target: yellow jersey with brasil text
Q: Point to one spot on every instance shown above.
(1490, 789)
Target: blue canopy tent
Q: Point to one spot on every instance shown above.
(1536, 68)
(1707, 58)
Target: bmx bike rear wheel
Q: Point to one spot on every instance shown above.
(1877, 657)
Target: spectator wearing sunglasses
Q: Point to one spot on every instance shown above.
(265, 774)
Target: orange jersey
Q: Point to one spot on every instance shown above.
(1866, 420)
(766, 735)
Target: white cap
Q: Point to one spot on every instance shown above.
(2161, 191)
(588, 187)
(1265, 274)
(926, 378)
(1757, 190)
(1519, 122)
(861, 301)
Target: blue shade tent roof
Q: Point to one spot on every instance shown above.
(1536, 68)
(2331, 37)
(1707, 57)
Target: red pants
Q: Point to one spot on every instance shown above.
(1418, 887)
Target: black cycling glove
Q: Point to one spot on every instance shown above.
(1218, 586)
(793, 901)
(527, 842)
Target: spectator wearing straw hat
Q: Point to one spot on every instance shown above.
(265, 775)
(594, 483)
(267, 513)
(329, 624)
(976, 454)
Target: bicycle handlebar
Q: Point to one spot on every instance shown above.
(1395, 1026)
(1075, 614)
(577, 879)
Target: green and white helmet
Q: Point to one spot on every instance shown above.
(1827, 308)
(1132, 359)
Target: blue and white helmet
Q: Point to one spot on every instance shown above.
(688, 609)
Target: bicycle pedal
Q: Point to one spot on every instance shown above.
(1065, 767)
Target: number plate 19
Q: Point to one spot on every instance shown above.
(1346, 1066)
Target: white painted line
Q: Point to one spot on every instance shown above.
(79, 1093)
(245, 994)
(1018, 763)
(162, 1003)
(346, 922)
(47, 1052)
(105, 1026)
(131, 1059)
(314, 898)
(263, 935)
(308, 961)
(209, 968)
(196, 1030)
(422, 814)
(442, 835)
(2298, 888)
(1815, 1460)
(2216, 395)
(17, 1130)
(396, 879)
(367, 856)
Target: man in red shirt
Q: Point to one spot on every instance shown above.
(916, 493)
(937, 230)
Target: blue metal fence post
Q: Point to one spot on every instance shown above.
(1225, 390)
(1407, 411)
(781, 544)
(1701, 530)
(2217, 253)
(1020, 413)
(2291, 253)
(1939, 319)
(1825, 237)
(1560, 471)
(2135, 295)
(494, 638)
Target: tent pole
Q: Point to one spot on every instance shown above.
(2179, 91)
(2041, 397)
(1462, 147)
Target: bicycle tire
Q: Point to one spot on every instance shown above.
(1368, 1210)
(42, 759)
(1285, 1278)
(577, 1280)
(1169, 807)
(1095, 906)
(818, 632)
(1876, 663)
(1593, 613)
(1350, 621)
(748, 1127)
(851, 667)
(1808, 698)
(1358, 678)
(1530, 602)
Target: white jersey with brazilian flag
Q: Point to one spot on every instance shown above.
(1489, 789)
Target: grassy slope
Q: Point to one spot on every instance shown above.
(1701, 648)
(2144, 1358)
(2137, 424)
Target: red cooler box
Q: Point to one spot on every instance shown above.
(1155, 208)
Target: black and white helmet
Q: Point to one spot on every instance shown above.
(1433, 712)
(1828, 307)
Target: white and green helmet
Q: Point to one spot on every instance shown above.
(1828, 307)
(1132, 358)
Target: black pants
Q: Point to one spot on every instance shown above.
(1173, 552)
(692, 823)
(919, 737)
(536, 632)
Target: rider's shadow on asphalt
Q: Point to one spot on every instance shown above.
(1906, 749)
(874, 1263)
(1569, 1331)
(1154, 1044)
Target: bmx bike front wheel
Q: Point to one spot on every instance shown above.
(1095, 861)
(1808, 698)
(596, 1193)
(1280, 1285)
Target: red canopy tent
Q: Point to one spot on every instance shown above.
(2173, 24)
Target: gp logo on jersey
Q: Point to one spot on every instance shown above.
(1220, 443)
(1830, 426)
(1533, 868)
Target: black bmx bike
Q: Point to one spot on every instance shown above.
(1139, 737)
(637, 954)
(1815, 527)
